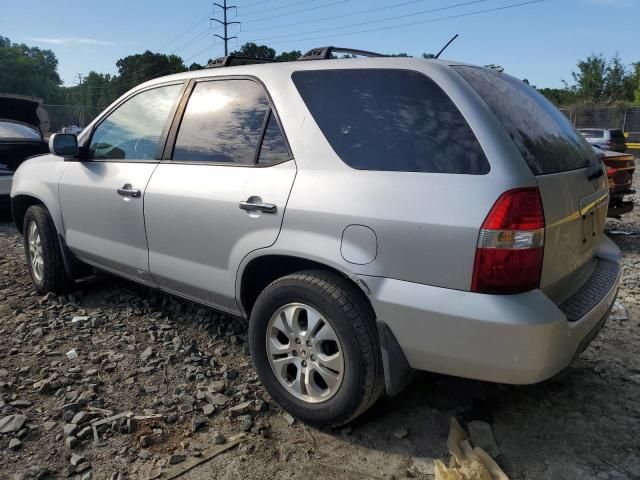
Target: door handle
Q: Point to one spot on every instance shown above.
(128, 191)
(251, 206)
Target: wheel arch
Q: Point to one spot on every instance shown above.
(259, 271)
(19, 206)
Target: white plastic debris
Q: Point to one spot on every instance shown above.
(72, 354)
(79, 319)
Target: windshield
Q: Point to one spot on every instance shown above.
(18, 131)
(545, 137)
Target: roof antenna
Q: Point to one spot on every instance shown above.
(445, 47)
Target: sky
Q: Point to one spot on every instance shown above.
(539, 40)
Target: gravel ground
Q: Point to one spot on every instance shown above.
(185, 374)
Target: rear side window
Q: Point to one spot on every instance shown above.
(273, 149)
(591, 133)
(390, 120)
(541, 132)
(222, 123)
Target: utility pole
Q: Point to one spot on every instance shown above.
(81, 101)
(224, 23)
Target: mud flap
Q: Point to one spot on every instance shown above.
(74, 268)
(397, 371)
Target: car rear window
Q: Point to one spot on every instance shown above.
(617, 135)
(544, 136)
(18, 131)
(590, 133)
(390, 120)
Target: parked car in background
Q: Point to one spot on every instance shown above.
(620, 168)
(74, 129)
(367, 216)
(607, 139)
(21, 120)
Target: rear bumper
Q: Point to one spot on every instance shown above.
(517, 339)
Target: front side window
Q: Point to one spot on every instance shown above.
(390, 120)
(133, 131)
(222, 123)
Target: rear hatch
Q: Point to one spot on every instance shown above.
(572, 183)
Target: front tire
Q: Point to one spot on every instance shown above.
(315, 347)
(42, 249)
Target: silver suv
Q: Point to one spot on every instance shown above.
(369, 217)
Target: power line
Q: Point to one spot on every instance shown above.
(281, 7)
(449, 7)
(333, 17)
(450, 17)
(193, 40)
(296, 11)
(254, 3)
(184, 33)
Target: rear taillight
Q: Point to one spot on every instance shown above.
(510, 246)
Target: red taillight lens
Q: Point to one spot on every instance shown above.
(510, 246)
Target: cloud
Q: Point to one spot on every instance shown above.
(69, 41)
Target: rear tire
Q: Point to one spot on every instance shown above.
(315, 347)
(42, 249)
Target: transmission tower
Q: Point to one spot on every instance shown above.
(225, 24)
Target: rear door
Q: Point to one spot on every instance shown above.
(101, 196)
(220, 194)
(572, 183)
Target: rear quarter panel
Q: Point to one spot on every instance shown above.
(426, 224)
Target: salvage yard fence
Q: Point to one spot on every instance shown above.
(626, 119)
(64, 115)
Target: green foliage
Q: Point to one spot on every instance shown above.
(27, 70)
(251, 49)
(291, 56)
(135, 69)
(559, 96)
(599, 80)
(428, 55)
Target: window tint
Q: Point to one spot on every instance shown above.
(223, 122)
(395, 120)
(133, 130)
(591, 133)
(544, 136)
(273, 149)
(18, 131)
(617, 134)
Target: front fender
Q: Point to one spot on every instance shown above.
(38, 178)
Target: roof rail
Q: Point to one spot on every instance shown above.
(232, 60)
(324, 53)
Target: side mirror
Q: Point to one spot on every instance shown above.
(63, 145)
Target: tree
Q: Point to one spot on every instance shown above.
(560, 97)
(28, 70)
(590, 79)
(135, 69)
(256, 51)
(291, 56)
(428, 55)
